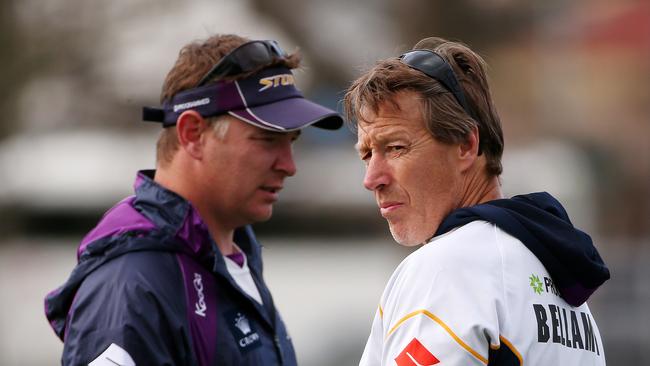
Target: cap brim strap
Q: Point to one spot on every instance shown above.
(152, 114)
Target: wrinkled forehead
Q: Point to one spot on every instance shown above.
(398, 104)
(404, 108)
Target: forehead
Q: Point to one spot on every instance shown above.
(403, 112)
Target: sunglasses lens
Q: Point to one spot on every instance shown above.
(429, 63)
(252, 55)
(245, 58)
(434, 66)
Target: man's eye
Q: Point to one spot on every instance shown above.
(365, 156)
(395, 148)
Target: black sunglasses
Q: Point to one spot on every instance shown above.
(245, 58)
(434, 66)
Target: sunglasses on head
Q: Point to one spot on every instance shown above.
(434, 66)
(245, 58)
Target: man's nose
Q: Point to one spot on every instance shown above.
(377, 174)
(284, 161)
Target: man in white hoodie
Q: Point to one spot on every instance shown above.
(497, 281)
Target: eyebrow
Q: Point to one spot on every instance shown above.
(361, 147)
(382, 137)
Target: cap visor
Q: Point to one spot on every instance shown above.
(289, 115)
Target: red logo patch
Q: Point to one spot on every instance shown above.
(415, 354)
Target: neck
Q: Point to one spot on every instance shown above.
(224, 237)
(222, 234)
(480, 188)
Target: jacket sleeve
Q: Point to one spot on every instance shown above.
(131, 310)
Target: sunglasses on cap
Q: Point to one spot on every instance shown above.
(267, 99)
(245, 58)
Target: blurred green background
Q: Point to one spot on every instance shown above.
(571, 82)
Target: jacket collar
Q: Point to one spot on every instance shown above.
(178, 218)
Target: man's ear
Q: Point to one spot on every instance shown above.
(468, 150)
(190, 126)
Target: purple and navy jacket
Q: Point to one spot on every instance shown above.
(150, 279)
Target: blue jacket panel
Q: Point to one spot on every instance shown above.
(131, 301)
(150, 280)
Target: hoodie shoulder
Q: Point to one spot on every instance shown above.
(120, 219)
(448, 289)
(464, 257)
(541, 223)
(131, 301)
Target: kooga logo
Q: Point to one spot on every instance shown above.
(199, 306)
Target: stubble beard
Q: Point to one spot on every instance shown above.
(403, 236)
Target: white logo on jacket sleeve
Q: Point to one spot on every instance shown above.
(199, 306)
(114, 355)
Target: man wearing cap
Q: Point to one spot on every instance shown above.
(173, 274)
(498, 281)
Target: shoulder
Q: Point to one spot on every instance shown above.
(127, 287)
(136, 301)
(155, 272)
(464, 264)
(448, 290)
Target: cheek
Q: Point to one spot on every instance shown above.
(431, 184)
(247, 173)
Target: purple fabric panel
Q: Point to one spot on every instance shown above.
(237, 258)
(201, 296)
(139, 179)
(194, 232)
(576, 295)
(119, 219)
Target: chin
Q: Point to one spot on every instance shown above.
(408, 238)
(261, 214)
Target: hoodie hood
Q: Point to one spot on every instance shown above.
(540, 222)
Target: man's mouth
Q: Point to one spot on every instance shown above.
(385, 208)
(271, 189)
